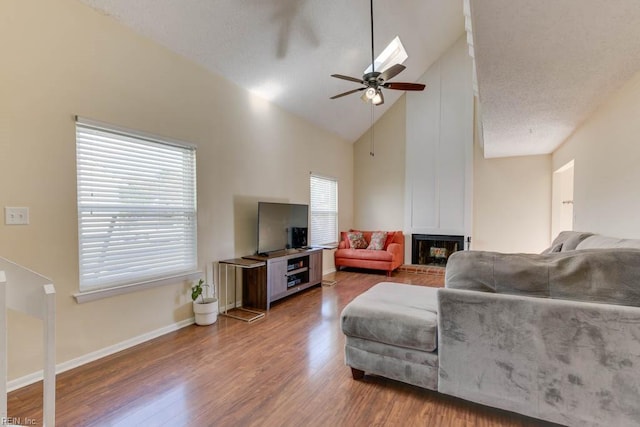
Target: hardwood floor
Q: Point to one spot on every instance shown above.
(284, 370)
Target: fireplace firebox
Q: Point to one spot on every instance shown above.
(434, 249)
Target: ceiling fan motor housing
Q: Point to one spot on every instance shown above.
(376, 80)
(373, 79)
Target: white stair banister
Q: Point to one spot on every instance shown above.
(3, 342)
(28, 292)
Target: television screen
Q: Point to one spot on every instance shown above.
(281, 226)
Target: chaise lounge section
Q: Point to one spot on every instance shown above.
(391, 331)
(555, 336)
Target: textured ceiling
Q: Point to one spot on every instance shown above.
(286, 50)
(543, 66)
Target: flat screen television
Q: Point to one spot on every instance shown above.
(281, 226)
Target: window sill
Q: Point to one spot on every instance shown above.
(87, 296)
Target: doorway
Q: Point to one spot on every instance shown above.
(562, 200)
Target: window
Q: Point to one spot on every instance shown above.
(136, 207)
(324, 210)
(393, 54)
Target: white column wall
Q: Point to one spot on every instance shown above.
(439, 142)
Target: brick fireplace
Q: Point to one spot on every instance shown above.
(434, 249)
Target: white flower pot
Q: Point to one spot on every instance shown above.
(206, 313)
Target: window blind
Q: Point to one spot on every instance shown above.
(136, 207)
(324, 210)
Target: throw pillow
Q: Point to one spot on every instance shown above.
(574, 240)
(553, 249)
(378, 239)
(356, 240)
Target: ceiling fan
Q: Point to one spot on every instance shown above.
(374, 81)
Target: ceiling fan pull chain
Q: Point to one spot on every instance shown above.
(372, 144)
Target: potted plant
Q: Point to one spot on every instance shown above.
(205, 309)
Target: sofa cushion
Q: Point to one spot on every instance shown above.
(378, 241)
(596, 275)
(364, 254)
(396, 314)
(598, 241)
(356, 240)
(391, 238)
(571, 239)
(524, 274)
(552, 249)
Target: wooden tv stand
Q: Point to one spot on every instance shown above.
(287, 272)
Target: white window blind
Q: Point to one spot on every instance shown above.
(324, 210)
(136, 207)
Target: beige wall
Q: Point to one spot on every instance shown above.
(512, 196)
(606, 150)
(511, 203)
(61, 58)
(379, 179)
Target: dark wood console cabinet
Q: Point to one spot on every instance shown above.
(285, 273)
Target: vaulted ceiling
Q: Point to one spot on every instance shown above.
(286, 50)
(542, 66)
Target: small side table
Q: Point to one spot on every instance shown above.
(238, 263)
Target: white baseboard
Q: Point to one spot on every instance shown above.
(99, 354)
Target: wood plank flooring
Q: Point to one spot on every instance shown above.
(284, 370)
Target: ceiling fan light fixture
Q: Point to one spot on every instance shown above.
(377, 99)
(370, 93)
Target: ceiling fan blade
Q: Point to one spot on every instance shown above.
(351, 79)
(391, 72)
(404, 86)
(347, 93)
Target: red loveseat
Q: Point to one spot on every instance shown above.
(388, 259)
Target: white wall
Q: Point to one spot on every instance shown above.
(439, 140)
(606, 173)
(61, 58)
(512, 203)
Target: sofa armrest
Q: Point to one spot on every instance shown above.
(397, 252)
(564, 361)
(342, 245)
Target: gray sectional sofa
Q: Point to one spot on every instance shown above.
(555, 336)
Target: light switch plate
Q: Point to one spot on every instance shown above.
(16, 216)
